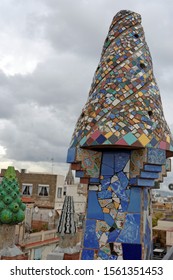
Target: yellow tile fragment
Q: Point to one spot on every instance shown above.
(168, 139)
(116, 204)
(106, 210)
(109, 134)
(144, 139)
(140, 93)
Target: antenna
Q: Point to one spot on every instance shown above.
(52, 160)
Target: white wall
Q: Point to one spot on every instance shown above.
(169, 238)
(164, 223)
(79, 199)
(59, 184)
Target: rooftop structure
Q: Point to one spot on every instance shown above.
(120, 146)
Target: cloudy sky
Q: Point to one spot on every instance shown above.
(49, 50)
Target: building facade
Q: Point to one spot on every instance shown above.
(39, 192)
(163, 234)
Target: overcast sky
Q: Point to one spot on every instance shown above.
(49, 50)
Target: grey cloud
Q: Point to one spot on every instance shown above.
(35, 135)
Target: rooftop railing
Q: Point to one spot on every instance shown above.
(169, 254)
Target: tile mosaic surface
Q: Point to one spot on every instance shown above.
(115, 211)
(156, 156)
(90, 161)
(124, 107)
(138, 157)
(119, 146)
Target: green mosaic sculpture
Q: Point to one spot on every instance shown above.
(11, 206)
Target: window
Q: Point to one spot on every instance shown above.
(27, 189)
(65, 191)
(37, 254)
(43, 190)
(59, 193)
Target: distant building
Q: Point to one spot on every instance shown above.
(162, 207)
(40, 193)
(163, 234)
(69, 180)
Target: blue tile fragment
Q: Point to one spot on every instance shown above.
(113, 257)
(133, 181)
(128, 192)
(121, 159)
(79, 174)
(116, 186)
(131, 231)
(153, 142)
(135, 200)
(149, 175)
(124, 205)
(71, 154)
(90, 238)
(105, 194)
(108, 219)
(153, 168)
(113, 235)
(101, 139)
(107, 170)
(119, 190)
(94, 180)
(94, 211)
(156, 156)
(87, 254)
(108, 159)
(105, 183)
(145, 182)
(123, 179)
(132, 251)
(142, 182)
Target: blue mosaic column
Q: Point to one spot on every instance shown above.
(107, 208)
(121, 145)
(118, 219)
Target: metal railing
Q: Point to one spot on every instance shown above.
(169, 254)
(39, 236)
